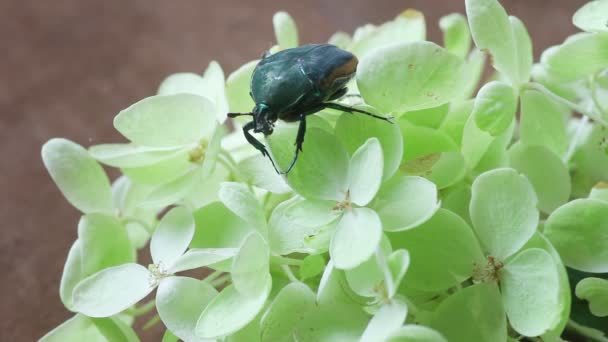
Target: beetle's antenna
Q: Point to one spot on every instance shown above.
(234, 115)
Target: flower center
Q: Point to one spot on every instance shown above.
(345, 204)
(157, 273)
(197, 154)
(488, 272)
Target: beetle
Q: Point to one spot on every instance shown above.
(293, 83)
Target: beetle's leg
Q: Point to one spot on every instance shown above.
(234, 115)
(257, 144)
(299, 141)
(355, 110)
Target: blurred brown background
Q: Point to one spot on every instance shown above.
(68, 66)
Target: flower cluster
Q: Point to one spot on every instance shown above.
(457, 223)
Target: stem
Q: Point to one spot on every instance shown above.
(212, 276)
(143, 309)
(576, 107)
(289, 273)
(277, 259)
(220, 280)
(575, 139)
(152, 322)
(593, 334)
(146, 226)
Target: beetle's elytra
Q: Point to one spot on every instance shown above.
(294, 83)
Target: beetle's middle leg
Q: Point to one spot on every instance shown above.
(257, 144)
(299, 141)
(351, 110)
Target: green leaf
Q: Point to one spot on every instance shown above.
(321, 169)
(495, 107)
(172, 237)
(398, 263)
(237, 89)
(354, 130)
(103, 243)
(285, 30)
(72, 274)
(218, 227)
(131, 155)
(76, 329)
(530, 290)
(340, 39)
(524, 48)
(474, 68)
(448, 170)
(250, 267)
(542, 122)
(257, 170)
(112, 290)
(357, 235)
(180, 301)
(409, 26)
(210, 85)
(173, 191)
(169, 337)
(240, 200)
(429, 117)
(333, 289)
(456, 118)
(590, 159)
(113, 329)
(592, 16)
(339, 322)
(372, 277)
(579, 232)
(456, 199)
(365, 172)
(434, 264)
(230, 311)
(167, 120)
(539, 241)
(387, 319)
(200, 257)
(79, 177)
(595, 291)
(600, 191)
(492, 31)
(405, 77)
(475, 143)
(503, 211)
(183, 83)
(405, 202)
(295, 223)
(312, 265)
(456, 36)
(578, 57)
(289, 307)
(495, 156)
(161, 172)
(546, 171)
(415, 333)
(423, 141)
(474, 313)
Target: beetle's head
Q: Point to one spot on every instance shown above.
(264, 119)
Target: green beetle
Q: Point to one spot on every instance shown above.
(294, 83)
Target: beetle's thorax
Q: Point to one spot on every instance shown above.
(264, 118)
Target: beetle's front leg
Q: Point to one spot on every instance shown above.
(257, 144)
